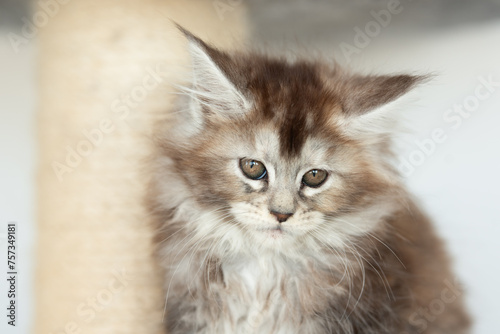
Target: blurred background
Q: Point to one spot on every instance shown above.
(455, 175)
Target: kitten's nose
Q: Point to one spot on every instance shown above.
(281, 217)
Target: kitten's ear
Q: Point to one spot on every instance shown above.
(214, 86)
(370, 104)
(368, 93)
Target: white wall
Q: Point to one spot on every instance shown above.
(17, 175)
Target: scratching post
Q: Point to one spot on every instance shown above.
(107, 69)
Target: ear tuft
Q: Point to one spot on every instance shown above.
(212, 88)
(189, 35)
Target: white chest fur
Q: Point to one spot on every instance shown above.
(261, 297)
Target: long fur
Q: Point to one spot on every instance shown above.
(356, 256)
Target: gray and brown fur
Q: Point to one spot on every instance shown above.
(356, 257)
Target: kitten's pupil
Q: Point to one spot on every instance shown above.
(314, 178)
(253, 169)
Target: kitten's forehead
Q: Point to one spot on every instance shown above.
(314, 150)
(292, 97)
(267, 143)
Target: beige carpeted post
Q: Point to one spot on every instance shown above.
(106, 73)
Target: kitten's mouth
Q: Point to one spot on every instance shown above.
(276, 232)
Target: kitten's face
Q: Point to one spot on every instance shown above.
(280, 197)
(271, 151)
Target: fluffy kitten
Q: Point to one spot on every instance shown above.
(278, 210)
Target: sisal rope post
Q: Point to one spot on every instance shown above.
(106, 75)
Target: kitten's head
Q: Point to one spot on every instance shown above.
(287, 155)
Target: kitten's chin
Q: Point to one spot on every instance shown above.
(274, 238)
(275, 232)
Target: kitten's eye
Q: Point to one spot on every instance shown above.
(314, 178)
(253, 169)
